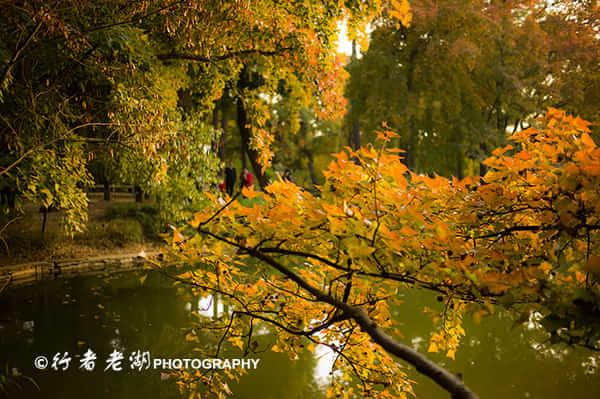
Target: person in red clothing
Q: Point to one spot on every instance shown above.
(246, 179)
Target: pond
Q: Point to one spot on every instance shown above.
(498, 357)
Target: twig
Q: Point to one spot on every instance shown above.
(8, 281)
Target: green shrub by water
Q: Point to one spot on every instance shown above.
(121, 231)
(146, 215)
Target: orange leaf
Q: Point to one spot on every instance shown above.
(249, 192)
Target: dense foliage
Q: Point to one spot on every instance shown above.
(160, 94)
(526, 237)
(466, 73)
(133, 85)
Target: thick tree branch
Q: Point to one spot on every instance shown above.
(397, 277)
(444, 378)
(198, 58)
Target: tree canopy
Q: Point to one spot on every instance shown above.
(525, 237)
(466, 73)
(467, 173)
(127, 81)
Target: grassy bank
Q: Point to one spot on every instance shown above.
(118, 226)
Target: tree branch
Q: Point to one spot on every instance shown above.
(33, 149)
(17, 53)
(444, 378)
(198, 58)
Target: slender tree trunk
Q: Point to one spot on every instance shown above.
(354, 137)
(460, 172)
(309, 155)
(243, 147)
(460, 159)
(106, 190)
(215, 306)
(311, 166)
(139, 195)
(411, 148)
(242, 121)
(44, 220)
(244, 131)
(355, 134)
(214, 145)
(223, 137)
(482, 167)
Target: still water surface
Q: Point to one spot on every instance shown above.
(498, 358)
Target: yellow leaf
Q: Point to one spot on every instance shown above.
(587, 140)
(386, 135)
(237, 341)
(186, 275)
(189, 337)
(177, 237)
(407, 231)
(401, 11)
(199, 217)
(546, 267)
(276, 348)
(249, 192)
(582, 125)
(433, 347)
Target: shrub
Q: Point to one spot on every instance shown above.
(122, 231)
(145, 214)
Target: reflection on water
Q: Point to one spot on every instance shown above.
(207, 306)
(497, 358)
(325, 357)
(501, 359)
(213, 307)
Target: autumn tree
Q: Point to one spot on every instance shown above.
(525, 238)
(466, 73)
(81, 81)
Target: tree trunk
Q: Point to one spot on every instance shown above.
(460, 159)
(139, 195)
(460, 174)
(242, 121)
(482, 167)
(44, 220)
(311, 167)
(411, 147)
(223, 137)
(214, 145)
(354, 137)
(106, 191)
(244, 131)
(309, 155)
(219, 122)
(355, 134)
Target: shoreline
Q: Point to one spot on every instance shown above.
(32, 272)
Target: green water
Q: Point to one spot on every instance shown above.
(498, 359)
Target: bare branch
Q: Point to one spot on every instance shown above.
(198, 58)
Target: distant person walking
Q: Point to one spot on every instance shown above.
(246, 179)
(230, 176)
